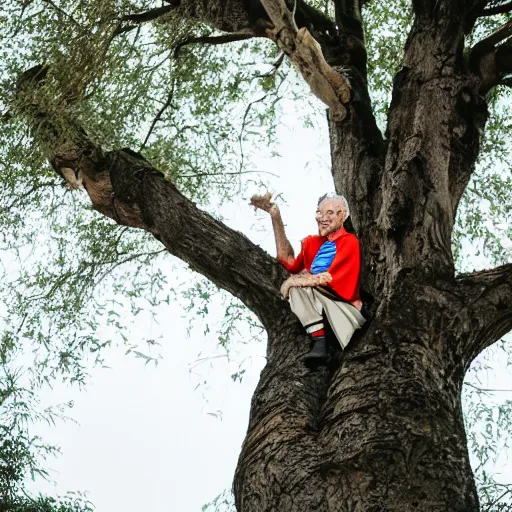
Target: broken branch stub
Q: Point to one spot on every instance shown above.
(306, 54)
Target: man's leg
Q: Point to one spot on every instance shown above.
(342, 317)
(308, 309)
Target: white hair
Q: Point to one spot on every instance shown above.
(333, 195)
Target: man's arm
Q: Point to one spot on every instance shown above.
(285, 250)
(283, 246)
(305, 279)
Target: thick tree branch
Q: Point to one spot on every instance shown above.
(431, 152)
(434, 7)
(429, 8)
(350, 23)
(301, 35)
(124, 186)
(464, 13)
(488, 314)
(495, 38)
(302, 49)
(128, 189)
(342, 42)
(293, 34)
(478, 9)
(240, 17)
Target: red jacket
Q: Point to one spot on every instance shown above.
(345, 268)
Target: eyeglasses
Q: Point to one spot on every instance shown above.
(329, 214)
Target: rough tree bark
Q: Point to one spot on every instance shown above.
(383, 429)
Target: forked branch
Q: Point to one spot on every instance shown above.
(305, 52)
(292, 34)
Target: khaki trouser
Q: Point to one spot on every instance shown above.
(308, 304)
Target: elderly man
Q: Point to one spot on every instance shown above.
(325, 275)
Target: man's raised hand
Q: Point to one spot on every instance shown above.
(283, 246)
(263, 202)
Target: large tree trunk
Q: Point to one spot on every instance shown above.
(383, 431)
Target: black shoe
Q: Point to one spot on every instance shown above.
(317, 356)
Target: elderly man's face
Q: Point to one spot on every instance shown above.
(330, 216)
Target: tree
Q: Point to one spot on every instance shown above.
(383, 430)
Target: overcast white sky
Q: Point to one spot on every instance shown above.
(167, 438)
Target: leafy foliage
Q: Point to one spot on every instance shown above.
(68, 272)
(22, 453)
(224, 502)
(487, 418)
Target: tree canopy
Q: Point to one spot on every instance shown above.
(167, 106)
